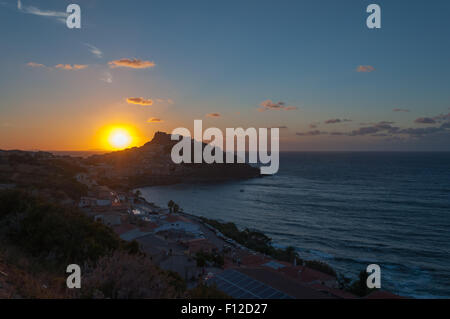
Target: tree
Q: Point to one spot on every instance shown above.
(359, 287)
(124, 276)
(176, 208)
(291, 253)
(137, 194)
(170, 204)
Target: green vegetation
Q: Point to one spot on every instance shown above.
(50, 176)
(259, 242)
(320, 266)
(254, 240)
(203, 258)
(359, 286)
(170, 204)
(54, 234)
(173, 207)
(40, 239)
(288, 254)
(124, 276)
(176, 281)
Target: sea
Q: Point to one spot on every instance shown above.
(348, 209)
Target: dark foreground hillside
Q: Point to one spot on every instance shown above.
(39, 239)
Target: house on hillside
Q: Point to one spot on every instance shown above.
(91, 202)
(85, 179)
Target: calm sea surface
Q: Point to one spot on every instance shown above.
(347, 209)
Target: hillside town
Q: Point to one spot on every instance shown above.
(175, 240)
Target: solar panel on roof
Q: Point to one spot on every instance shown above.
(240, 286)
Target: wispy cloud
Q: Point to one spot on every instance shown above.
(168, 101)
(375, 129)
(442, 117)
(94, 50)
(400, 110)
(422, 131)
(154, 120)
(383, 126)
(387, 129)
(131, 63)
(139, 101)
(213, 115)
(269, 105)
(365, 68)
(71, 67)
(310, 133)
(107, 77)
(35, 65)
(59, 16)
(425, 120)
(335, 121)
(58, 66)
(433, 120)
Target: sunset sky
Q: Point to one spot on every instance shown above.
(312, 68)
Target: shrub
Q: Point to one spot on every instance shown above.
(13, 202)
(125, 276)
(44, 238)
(56, 234)
(203, 257)
(359, 286)
(320, 266)
(254, 240)
(175, 281)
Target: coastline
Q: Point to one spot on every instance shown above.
(98, 194)
(318, 264)
(311, 196)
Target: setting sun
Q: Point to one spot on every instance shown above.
(119, 138)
